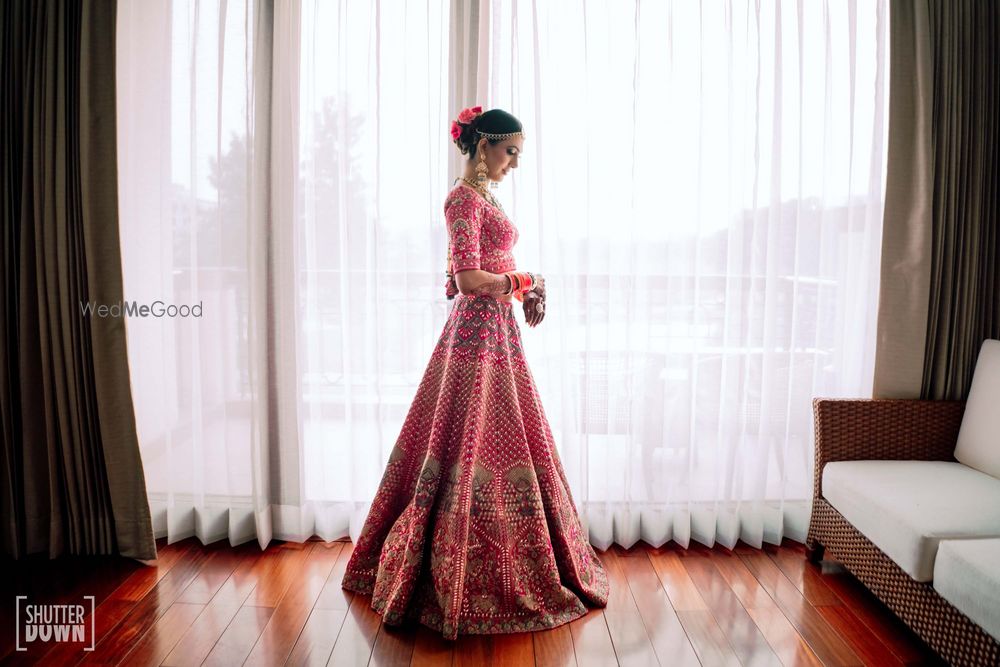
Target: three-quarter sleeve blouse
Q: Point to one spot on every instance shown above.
(480, 236)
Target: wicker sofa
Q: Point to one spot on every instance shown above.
(907, 497)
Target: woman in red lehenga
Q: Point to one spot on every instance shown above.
(473, 529)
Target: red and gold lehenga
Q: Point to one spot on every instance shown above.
(473, 529)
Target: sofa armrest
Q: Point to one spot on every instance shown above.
(883, 429)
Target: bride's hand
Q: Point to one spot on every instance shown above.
(539, 285)
(532, 299)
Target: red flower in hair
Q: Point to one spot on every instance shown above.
(456, 131)
(468, 115)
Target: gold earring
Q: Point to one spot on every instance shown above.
(481, 170)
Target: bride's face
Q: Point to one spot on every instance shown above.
(502, 157)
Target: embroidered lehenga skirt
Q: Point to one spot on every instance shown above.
(473, 529)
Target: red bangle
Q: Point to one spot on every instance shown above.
(520, 282)
(524, 283)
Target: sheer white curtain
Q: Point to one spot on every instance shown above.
(282, 165)
(702, 187)
(190, 157)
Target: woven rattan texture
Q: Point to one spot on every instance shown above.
(852, 430)
(883, 429)
(945, 629)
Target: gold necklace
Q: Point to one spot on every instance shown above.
(487, 195)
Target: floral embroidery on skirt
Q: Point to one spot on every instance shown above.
(473, 529)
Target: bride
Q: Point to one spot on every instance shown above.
(473, 529)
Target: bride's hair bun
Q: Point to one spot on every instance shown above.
(465, 130)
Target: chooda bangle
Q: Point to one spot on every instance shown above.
(521, 282)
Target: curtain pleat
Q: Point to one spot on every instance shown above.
(904, 288)
(12, 497)
(71, 457)
(467, 59)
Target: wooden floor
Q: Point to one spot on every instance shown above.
(219, 605)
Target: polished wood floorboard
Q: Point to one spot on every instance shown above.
(221, 605)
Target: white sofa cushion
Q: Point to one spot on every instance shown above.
(906, 507)
(967, 574)
(979, 437)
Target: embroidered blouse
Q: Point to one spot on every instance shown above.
(480, 236)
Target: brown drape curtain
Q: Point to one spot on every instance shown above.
(72, 480)
(940, 292)
(964, 307)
